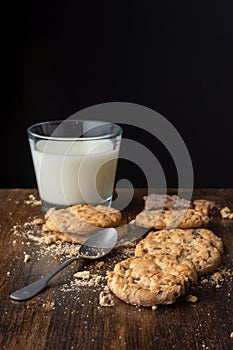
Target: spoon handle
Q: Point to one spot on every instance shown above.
(34, 288)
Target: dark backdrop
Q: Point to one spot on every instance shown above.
(174, 57)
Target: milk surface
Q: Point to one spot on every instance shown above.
(71, 172)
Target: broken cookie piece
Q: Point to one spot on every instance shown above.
(105, 298)
(203, 205)
(226, 213)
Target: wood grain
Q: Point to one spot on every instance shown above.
(62, 319)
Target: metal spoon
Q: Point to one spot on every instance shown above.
(95, 247)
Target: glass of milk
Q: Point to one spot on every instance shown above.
(75, 161)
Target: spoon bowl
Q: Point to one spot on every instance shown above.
(99, 244)
(95, 247)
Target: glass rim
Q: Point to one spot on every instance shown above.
(30, 133)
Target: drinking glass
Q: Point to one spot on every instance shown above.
(75, 161)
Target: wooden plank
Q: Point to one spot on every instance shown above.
(66, 316)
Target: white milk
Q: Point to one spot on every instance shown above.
(71, 172)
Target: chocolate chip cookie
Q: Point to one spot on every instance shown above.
(151, 280)
(75, 224)
(201, 246)
(160, 219)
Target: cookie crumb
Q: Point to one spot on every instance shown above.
(99, 264)
(49, 239)
(98, 279)
(154, 307)
(27, 258)
(83, 275)
(217, 276)
(226, 213)
(38, 221)
(191, 298)
(105, 298)
(128, 244)
(204, 281)
(32, 201)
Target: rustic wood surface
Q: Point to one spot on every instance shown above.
(68, 317)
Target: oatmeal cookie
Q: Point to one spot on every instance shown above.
(112, 213)
(160, 201)
(67, 226)
(150, 281)
(201, 246)
(100, 215)
(161, 219)
(75, 224)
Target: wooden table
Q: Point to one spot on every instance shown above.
(66, 316)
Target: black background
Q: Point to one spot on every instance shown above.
(174, 57)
